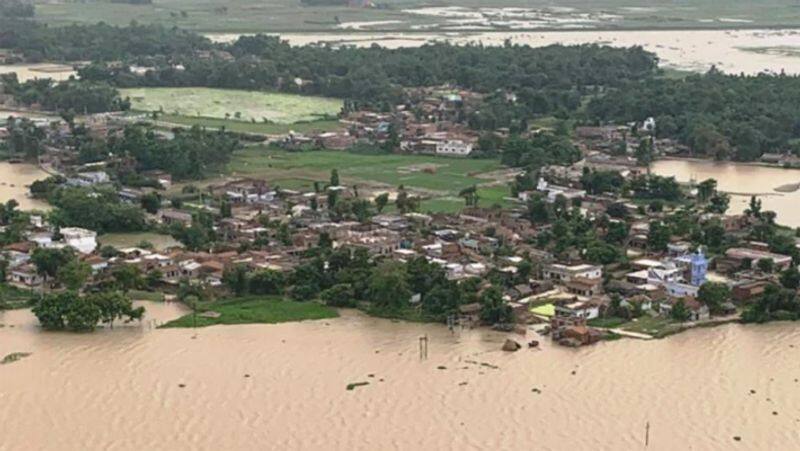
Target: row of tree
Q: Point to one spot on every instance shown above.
(349, 277)
(77, 96)
(717, 115)
(72, 311)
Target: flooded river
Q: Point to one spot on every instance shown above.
(121, 389)
(14, 182)
(27, 72)
(735, 51)
(742, 180)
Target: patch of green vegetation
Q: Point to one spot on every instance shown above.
(677, 74)
(251, 310)
(608, 323)
(139, 295)
(447, 204)
(354, 385)
(409, 314)
(656, 326)
(440, 174)
(251, 127)
(490, 196)
(13, 357)
(12, 297)
(233, 104)
(123, 240)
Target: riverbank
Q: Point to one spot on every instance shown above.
(253, 310)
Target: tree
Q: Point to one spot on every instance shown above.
(766, 265)
(388, 288)
(470, 195)
(267, 282)
(679, 311)
(113, 306)
(706, 189)
(49, 260)
(339, 295)
(404, 202)
(658, 236)
(74, 274)
(82, 315)
(644, 152)
(236, 279)
(334, 177)
(790, 278)
(538, 210)
(617, 232)
(128, 277)
(151, 202)
(493, 309)
(617, 210)
(713, 295)
(754, 209)
(225, 209)
(70, 311)
(153, 278)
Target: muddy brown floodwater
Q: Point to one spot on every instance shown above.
(14, 182)
(775, 187)
(284, 387)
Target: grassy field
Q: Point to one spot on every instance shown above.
(233, 104)
(138, 295)
(290, 15)
(123, 240)
(12, 297)
(248, 310)
(251, 127)
(439, 178)
(441, 174)
(657, 327)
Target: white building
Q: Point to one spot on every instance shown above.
(454, 147)
(84, 241)
(553, 191)
(89, 178)
(566, 273)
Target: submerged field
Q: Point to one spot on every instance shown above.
(292, 15)
(440, 179)
(245, 106)
(123, 240)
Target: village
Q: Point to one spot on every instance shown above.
(651, 286)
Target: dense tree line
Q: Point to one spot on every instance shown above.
(72, 311)
(190, 154)
(79, 96)
(349, 277)
(717, 115)
(16, 9)
(98, 210)
(100, 42)
(548, 79)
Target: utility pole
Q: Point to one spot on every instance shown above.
(423, 347)
(647, 434)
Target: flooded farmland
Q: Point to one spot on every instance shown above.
(284, 387)
(742, 181)
(14, 182)
(735, 51)
(27, 72)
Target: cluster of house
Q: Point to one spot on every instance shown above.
(433, 121)
(465, 245)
